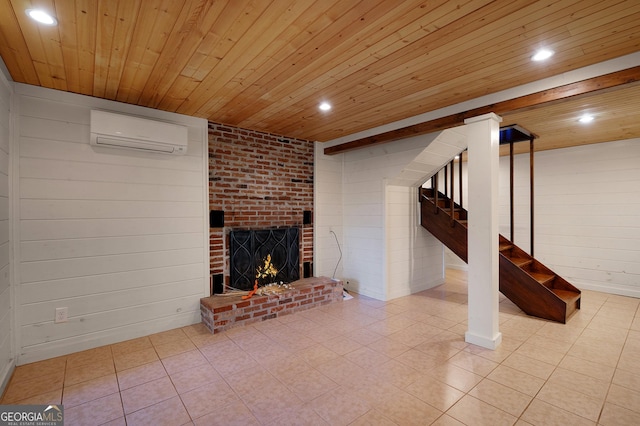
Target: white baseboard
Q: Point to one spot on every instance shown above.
(107, 337)
(458, 267)
(5, 375)
(608, 288)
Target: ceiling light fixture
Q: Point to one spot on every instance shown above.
(41, 16)
(542, 54)
(324, 106)
(586, 118)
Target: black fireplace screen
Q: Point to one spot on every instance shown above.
(249, 249)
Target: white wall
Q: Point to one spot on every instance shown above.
(587, 205)
(7, 352)
(363, 221)
(386, 254)
(521, 195)
(414, 256)
(328, 229)
(118, 237)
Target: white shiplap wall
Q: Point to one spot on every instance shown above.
(587, 205)
(328, 230)
(367, 251)
(414, 256)
(7, 353)
(369, 198)
(118, 237)
(363, 226)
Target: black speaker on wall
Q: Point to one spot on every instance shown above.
(216, 218)
(306, 217)
(307, 269)
(217, 284)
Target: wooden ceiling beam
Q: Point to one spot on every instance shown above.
(598, 84)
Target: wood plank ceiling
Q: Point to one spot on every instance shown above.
(266, 65)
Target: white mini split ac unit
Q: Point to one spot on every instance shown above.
(129, 132)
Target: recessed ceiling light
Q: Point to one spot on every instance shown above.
(542, 54)
(586, 118)
(41, 16)
(324, 106)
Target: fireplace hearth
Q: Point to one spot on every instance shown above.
(221, 313)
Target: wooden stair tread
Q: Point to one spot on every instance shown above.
(505, 246)
(520, 261)
(542, 278)
(566, 295)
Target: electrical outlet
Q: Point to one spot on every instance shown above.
(61, 315)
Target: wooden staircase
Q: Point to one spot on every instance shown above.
(533, 287)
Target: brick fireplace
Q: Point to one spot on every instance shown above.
(257, 181)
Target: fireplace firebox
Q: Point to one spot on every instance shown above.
(249, 249)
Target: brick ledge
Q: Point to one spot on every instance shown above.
(220, 313)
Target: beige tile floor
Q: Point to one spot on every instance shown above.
(360, 362)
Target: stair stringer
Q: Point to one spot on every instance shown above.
(439, 224)
(528, 294)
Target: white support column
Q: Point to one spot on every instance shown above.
(484, 140)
